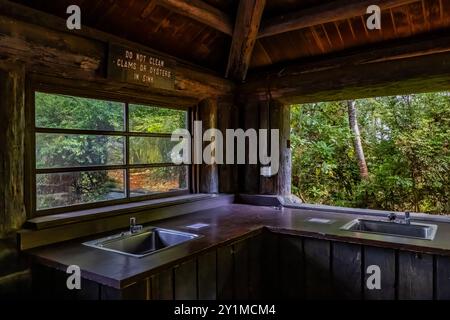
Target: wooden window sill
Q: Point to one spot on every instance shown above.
(103, 212)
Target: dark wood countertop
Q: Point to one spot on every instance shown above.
(226, 224)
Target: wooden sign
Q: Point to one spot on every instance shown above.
(132, 66)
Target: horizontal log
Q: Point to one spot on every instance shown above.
(200, 11)
(46, 46)
(334, 11)
(394, 50)
(405, 76)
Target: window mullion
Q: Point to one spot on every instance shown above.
(127, 151)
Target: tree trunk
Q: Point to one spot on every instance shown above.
(353, 121)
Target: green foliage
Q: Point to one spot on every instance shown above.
(62, 150)
(406, 140)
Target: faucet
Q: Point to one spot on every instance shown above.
(392, 217)
(407, 217)
(134, 228)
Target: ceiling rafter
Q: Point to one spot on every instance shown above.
(330, 12)
(244, 37)
(199, 11)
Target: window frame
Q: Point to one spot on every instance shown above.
(32, 171)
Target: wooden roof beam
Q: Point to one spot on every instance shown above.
(330, 12)
(200, 11)
(413, 66)
(244, 37)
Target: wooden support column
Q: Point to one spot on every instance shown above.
(12, 149)
(228, 118)
(275, 115)
(249, 173)
(209, 174)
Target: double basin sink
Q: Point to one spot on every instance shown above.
(150, 240)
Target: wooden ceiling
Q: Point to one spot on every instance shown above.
(164, 27)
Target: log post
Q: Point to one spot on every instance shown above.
(281, 119)
(209, 173)
(12, 149)
(249, 173)
(275, 115)
(228, 118)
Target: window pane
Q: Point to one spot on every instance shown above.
(155, 180)
(147, 150)
(68, 112)
(155, 119)
(70, 150)
(72, 188)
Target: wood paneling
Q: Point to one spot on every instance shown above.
(292, 268)
(346, 271)
(228, 118)
(225, 273)
(415, 276)
(274, 266)
(442, 278)
(255, 276)
(386, 260)
(162, 285)
(186, 281)
(317, 268)
(241, 270)
(207, 271)
(247, 175)
(270, 265)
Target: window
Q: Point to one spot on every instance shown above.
(387, 153)
(89, 151)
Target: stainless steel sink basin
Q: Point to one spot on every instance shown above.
(148, 241)
(413, 230)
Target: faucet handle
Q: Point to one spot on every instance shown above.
(392, 216)
(407, 217)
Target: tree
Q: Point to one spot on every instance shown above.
(359, 151)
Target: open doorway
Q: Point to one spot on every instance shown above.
(387, 153)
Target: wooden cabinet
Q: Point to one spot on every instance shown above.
(276, 266)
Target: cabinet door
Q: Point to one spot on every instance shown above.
(186, 280)
(225, 273)
(207, 284)
(415, 276)
(346, 271)
(442, 278)
(317, 268)
(385, 260)
(292, 269)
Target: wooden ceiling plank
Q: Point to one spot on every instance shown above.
(317, 39)
(148, 9)
(330, 12)
(244, 37)
(393, 21)
(328, 37)
(351, 28)
(201, 12)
